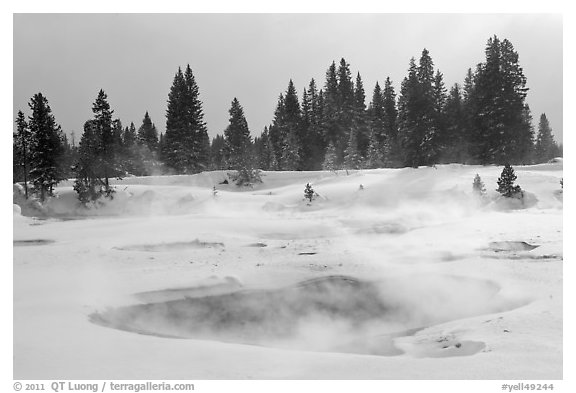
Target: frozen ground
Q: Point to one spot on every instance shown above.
(410, 277)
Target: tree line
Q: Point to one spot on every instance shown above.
(486, 120)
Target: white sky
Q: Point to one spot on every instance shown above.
(133, 57)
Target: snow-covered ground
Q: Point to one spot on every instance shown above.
(407, 277)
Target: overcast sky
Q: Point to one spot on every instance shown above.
(133, 57)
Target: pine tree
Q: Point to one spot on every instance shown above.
(187, 145)
(455, 140)
(331, 128)
(104, 129)
(390, 111)
(21, 148)
(440, 121)
(410, 131)
(478, 187)
(46, 147)
(374, 156)
(238, 151)
(217, 152)
(309, 192)
(506, 181)
(330, 158)
(427, 109)
(545, 145)
(147, 133)
(500, 118)
(377, 114)
(312, 141)
(352, 157)
(89, 184)
(237, 137)
(291, 157)
(360, 119)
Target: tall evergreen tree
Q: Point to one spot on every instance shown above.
(89, 184)
(332, 128)
(410, 132)
(237, 137)
(104, 128)
(21, 151)
(352, 157)
(374, 155)
(440, 120)
(46, 147)
(330, 158)
(186, 145)
(217, 152)
(546, 147)
(501, 129)
(287, 132)
(390, 111)
(455, 140)
(312, 140)
(147, 133)
(377, 115)
(360, 118)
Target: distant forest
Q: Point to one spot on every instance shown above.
(484, 120)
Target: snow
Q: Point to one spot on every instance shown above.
(470, 300)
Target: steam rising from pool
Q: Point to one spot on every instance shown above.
(334, 313)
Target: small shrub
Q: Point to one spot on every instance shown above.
(309, 192)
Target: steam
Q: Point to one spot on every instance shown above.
(334, 313)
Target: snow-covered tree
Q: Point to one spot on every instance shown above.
(352, 157)
(478, 186)
(374, 156)
(330, 158)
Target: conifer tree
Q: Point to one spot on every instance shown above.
(186, 144)
(377, 114)
(546, 147)
(312, 140)
(352, 157)
(237, 139)
(390, 111)
(89, 184)
(330, 158)
(104, 129)
(276, 134)
(291, 157)
(360, 119)
(217, 152)
(46, 147)
(499, 115)
(410, 131)
(309, 192)
(478, 187)
(238, 153)
(147, 133)
(455, 140)
(506, 181)
(374, 155)
(332, 128)
(21, 158)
